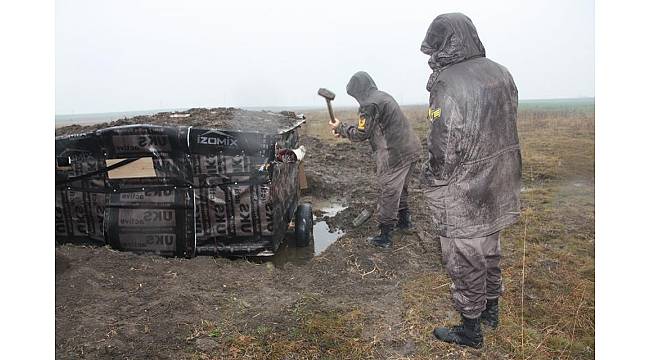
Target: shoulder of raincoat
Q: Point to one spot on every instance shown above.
(474, 168)
(382, 122)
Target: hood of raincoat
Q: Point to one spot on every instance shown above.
(360, 87)
(450, 39)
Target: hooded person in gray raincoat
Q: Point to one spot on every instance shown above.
(472, 179)
(396, 148)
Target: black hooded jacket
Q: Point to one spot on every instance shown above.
(474, 167)
(382, 122)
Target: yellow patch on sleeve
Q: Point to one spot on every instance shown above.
(362, 123)
(434, 114)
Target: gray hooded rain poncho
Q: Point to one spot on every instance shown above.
(474, 167)
(473, 176)
(391, 136)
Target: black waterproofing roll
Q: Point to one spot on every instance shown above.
(175, 190)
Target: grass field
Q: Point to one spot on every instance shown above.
(549, 253)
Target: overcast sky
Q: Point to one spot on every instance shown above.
(122, 55)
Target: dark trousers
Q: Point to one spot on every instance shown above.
(393, 193)
(473, 265)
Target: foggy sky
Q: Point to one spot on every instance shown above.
(150, 54)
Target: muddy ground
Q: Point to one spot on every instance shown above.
(352, 301)
(119, 304)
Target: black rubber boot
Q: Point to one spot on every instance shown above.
(383, 240)
(490, 316)
(404, 220)
(468, 333)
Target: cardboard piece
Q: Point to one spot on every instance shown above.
(141, 168)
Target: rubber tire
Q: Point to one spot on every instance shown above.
(304, 221)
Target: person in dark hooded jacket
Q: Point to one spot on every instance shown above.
(473, 176)
(396, 148)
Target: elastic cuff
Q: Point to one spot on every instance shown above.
(472, 316)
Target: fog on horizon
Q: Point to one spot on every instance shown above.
(137, 55)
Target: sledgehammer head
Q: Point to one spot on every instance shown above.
(328, 95)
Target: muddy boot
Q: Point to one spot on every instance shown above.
(383, 240)
(404, 221)
(490, 316)
(468, 333)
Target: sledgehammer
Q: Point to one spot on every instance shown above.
(329, 96)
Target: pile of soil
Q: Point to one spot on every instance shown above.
(218, 118)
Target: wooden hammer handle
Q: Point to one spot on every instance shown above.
(329, 108)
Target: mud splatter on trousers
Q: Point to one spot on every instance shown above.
(473, 265)
(393, 193)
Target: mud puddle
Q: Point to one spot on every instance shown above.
(323, 237)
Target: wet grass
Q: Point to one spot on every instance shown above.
(313, 331)
(558, 317)
(548, 308)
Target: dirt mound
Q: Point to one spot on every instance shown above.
(219, 118)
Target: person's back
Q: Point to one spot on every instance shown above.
(484, 92)
(385, 126)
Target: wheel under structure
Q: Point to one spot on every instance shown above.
(304, 225)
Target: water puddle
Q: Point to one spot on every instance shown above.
(323, 236)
